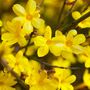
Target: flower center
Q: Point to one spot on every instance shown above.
(69, 43)
(49, 42)
(29, 17)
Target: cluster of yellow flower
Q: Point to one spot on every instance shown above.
(29, 50)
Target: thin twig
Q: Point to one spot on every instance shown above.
(75, 23)
(9, 69)
(49, 65)
(61, 13)
(26, 47)
(69, 12)
(53, 66)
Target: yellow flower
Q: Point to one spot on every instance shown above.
(43, 42)
(60, 43)
(85, 56)
(86, 78)
(42, 83)
(29, 16)
(65, 79)
(19, 63)
(73, 41)
(6, 17)
(85, 23)
(7, 81)
(38, 78)
(14, 34)
(61, 63)
(4, 49)
(57, 45)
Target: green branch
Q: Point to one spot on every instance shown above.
(61, 13)
(35, 58)
(75, 23)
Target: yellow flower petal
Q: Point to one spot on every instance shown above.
(28, 28)
(67, 87)
(70, 36)
(58, 33)
(31, 7)
(40, 41)
(22, 41)
(87, 63)
(77, 49)
(42, 51)
(70, 79)
(19, 10)
(68, 56)
(85, 23)
(10, 27)
(11, 60)
(38, 23)
(86, 78)
(19, 19)
(72, 32)
(76, 15)
(56, 49)
(9, 38)
(58, 39)
(80, 38)
(48, 33)
(19, 54)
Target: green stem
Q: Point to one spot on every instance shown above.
(49, 65)
(75, 23)
(69, 11)
(61, 13)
